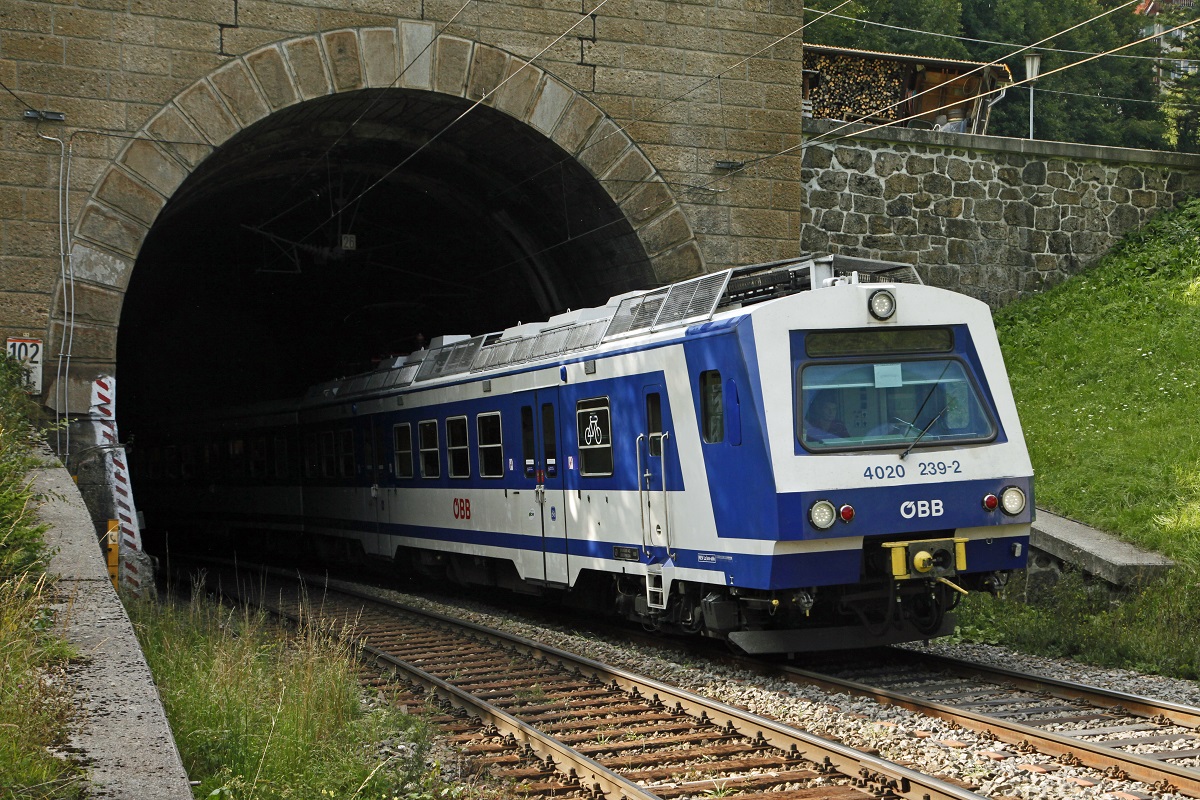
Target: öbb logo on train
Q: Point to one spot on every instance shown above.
(462, 508)
(921, 508)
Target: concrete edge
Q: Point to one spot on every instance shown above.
(1096, 552)
(121, 729)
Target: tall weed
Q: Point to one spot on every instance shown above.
(260, 712)
(35, 702)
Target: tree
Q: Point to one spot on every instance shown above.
(1181, 81)
(1109, 101)
(900, 26)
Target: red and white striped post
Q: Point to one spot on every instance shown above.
(116, 469)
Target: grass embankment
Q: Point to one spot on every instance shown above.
(35, 704)
(260, 712)
(1105, 370)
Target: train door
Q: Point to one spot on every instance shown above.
(653, 442)
(375, 453)
(541, 432)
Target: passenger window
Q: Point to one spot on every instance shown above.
(346, 454)
(431, 463)
(402, 445)
(456, 447)
(527, 441)
(712, 407)
(654, 424)
(491, 445)
(594, 428)
(237, 458)
(258, 457)
(549, 440)
(312, 456)
(280, 452)
(328, 455)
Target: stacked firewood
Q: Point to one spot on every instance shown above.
(853, 87)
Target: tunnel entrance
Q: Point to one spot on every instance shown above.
(351, 227)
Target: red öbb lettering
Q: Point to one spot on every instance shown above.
(462, 508)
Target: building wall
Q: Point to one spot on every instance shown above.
(994, 218)
(133, 78)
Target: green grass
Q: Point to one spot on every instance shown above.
(1105, 370)
(259, 712)
(35, 705)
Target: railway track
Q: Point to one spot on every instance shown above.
(1121, 735)
(559, 725)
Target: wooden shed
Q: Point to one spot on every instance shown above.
(910, 91)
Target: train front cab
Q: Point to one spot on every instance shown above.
(900, 474)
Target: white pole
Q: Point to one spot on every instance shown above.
(1033, 62)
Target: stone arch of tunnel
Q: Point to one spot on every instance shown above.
(361, 221)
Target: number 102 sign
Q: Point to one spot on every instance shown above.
(29, 353)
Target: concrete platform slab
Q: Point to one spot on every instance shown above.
(122, 730)
(1095, 552)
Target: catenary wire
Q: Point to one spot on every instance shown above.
(989, 42)
(980, 68)
(650, 114)
(374, 101)
(525, 63)
(1022, 82)
(19, 100)
(1171, 103)
(803, 145)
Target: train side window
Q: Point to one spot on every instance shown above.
(312, 456)
(595, 445)
(431, 462)
(258, 457)
(212, 457)
(490, 441)
(237, 458)
(328, 455)
(402, 443)
(281, 456)
(187, 464)
(654, 426)
(345, 452)
(733, 413)
(457, 452)
(527, 441)
(712, 406)
(549, 439)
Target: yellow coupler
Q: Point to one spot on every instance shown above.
(933, 559)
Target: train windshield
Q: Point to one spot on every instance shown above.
(890, 403)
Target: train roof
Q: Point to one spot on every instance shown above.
(624, 316)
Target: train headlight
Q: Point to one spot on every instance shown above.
(1012, 500)
(882, 304)
(822, 514)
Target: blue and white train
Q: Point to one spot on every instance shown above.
(803, 455)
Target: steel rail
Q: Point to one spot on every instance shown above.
(1137, 705)
(1168, 777)
(871, 771)
(575, 766)
(571, 764)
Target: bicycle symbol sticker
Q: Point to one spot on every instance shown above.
(592, 433)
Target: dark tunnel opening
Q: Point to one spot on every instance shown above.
(353, 227)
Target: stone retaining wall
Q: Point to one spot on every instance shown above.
(991, 217)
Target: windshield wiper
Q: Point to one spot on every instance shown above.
(924, 431)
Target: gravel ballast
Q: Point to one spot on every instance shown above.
(923, 743)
